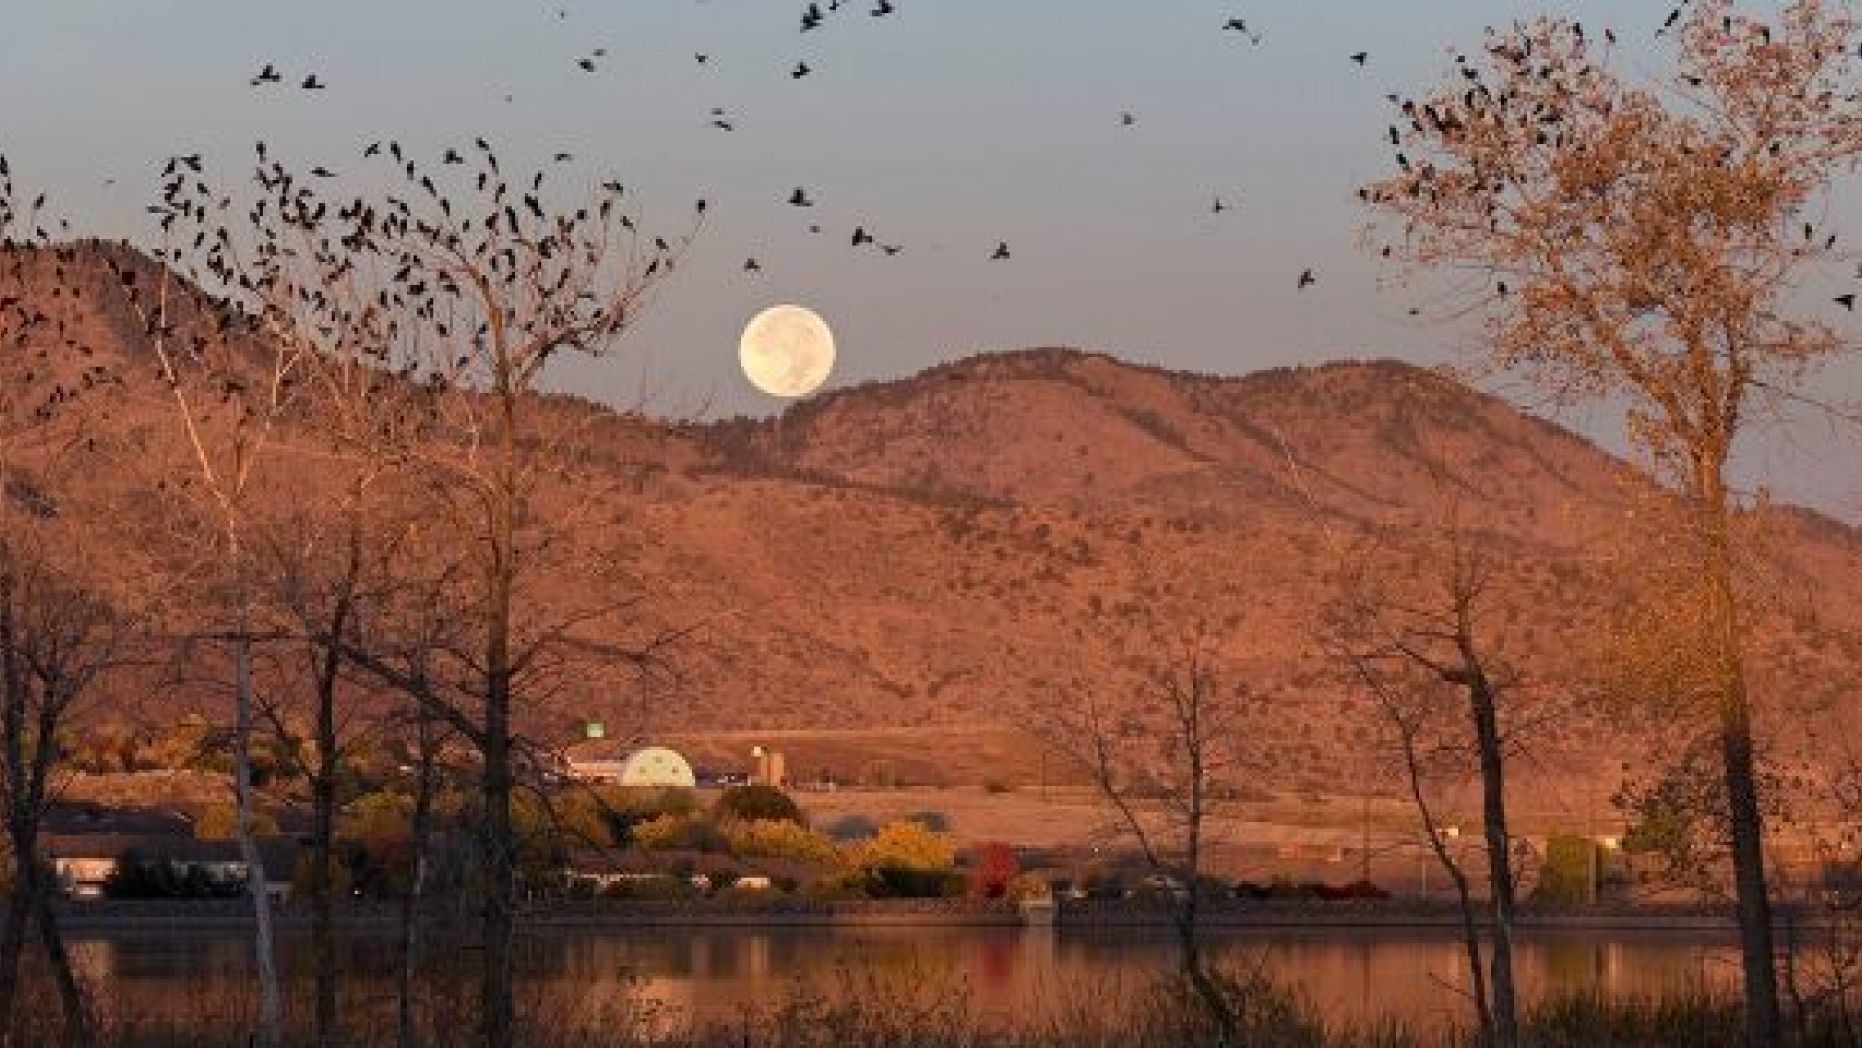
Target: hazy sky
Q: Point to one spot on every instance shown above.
(943, 128)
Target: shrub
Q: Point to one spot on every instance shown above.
(660, 888)
(220, 822)
(758, 801)
(1028, 886)
(839, 887)
(673, 832)
(1103, 884)
(850, 828)
(894, 882)
(380, 817)
(342, 878)
(1362, 889)
(1569, 863)
(993, 867)
(779, 839)
(908, 846)
(624, 807)
(935, 821)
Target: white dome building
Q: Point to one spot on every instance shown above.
(655, 766)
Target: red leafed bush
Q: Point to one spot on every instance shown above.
(993, 867)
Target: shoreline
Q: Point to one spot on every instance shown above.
(128, 919)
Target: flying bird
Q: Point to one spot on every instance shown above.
(1848, 302)
(799, 198)
(801, 70)
(751, 266)
(811, 17)
(587, 64)
(1361, 57)
(1238, 25)
(1307, 279)
(268, 75)
(883, 9)
(861, 236)
(311, 83)
(1126, 119)
(1001, 252)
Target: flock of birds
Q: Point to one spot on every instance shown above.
(814, 16)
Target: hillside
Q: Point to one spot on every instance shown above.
(984, 543)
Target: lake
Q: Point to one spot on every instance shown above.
(1004, 976)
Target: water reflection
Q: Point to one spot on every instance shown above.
(1006, 976)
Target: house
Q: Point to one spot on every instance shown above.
(84, 863)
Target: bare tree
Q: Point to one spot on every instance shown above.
(319, 571)
(68, 614)
(1647, 242)
(1417, 637)
(1157, 762)
(230, 392)
(465, 291)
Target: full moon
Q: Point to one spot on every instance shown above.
(787, 351)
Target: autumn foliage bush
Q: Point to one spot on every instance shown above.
(779, 839)
(993, 868)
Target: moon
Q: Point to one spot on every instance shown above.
(787, 351)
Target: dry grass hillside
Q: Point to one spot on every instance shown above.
(978, 546)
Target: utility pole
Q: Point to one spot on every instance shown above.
(1590, 845)
(1364, 838)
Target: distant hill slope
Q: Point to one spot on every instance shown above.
(981, 543)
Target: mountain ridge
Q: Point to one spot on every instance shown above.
(989, 539)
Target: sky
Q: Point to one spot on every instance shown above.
(943, 128)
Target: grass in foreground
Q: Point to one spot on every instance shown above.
(870, 1012)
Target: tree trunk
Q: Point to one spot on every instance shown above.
(13, 737)
(496, 1004)
(410, 904)
(1499, 860)
(501, 884)
(269, 1032)
(1471, 942)
(13, 941)
(323, 847)
(78, 1031)
(1763, 1026)
(1470, 924)
(1763, 1022)
(498, 1012)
